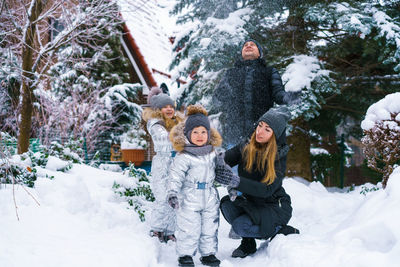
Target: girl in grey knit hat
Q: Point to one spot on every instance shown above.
(161, 116)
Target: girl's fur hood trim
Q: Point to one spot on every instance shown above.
(179, 139)
(149, 113)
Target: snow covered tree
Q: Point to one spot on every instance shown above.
(26, 31)
(343, 56)
(114, 114)
(88, 72)
(381, 140)
(86, 65)
(9, 91)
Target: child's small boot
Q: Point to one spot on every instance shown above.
(186, 261)
(170, 238)
(210, 260)
(247, 247)
(159, 235)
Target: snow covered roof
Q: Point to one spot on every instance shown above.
(151, 44)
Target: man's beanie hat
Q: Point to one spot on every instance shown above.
(197, 116)
(277, 119)
(157, 99)
(258, 46)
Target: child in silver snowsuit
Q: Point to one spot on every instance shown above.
(191, 188)
(160, 116)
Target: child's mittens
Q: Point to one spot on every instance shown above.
(173, 201)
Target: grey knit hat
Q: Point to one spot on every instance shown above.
(197, 116)
(277, 119)
(258, 46)
(157, 99)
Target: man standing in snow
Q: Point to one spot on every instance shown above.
(247, 91)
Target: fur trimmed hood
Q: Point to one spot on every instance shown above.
(149, 113)
(179, 139)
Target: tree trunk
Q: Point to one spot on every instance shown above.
(298, 159)
(27, 77)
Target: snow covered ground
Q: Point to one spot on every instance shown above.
(82, 222)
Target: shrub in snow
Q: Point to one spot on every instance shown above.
(96, 160)
(23, 168)
(67, 154)
(136, 191)
(15, 173)
(7, 144)
(326, 166)
(381, 128)
(135, 138)
(69, 151)
(10, 171)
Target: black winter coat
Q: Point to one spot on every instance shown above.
(246, 92)
(267, 205)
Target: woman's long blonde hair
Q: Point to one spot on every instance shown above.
(263, 155)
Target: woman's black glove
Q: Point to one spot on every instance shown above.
(233, 193)
(224, 174)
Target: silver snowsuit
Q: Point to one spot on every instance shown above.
(192, 179)
(163, 217)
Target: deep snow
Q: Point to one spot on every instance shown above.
(82, 222)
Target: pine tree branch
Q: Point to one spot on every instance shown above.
(325, 106)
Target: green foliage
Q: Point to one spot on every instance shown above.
(325, 167)
(12, 173)
(25, 172)
(120, 102)
(70, 151)
(138, 192)
(351, 188)
(353, 42)
(8, 144)
(96, 160)
(365, 189)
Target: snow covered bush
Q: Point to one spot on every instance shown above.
(23, 168)
(325, 166)
(8, 144)
(135, 138)
(16, 173)
(69, 151)
(116, 112)
(11, 172)
(136, 191)
(381, 128)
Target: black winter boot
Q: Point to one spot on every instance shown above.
(186, 261)
(210, 260)
(247, 247)
(286, 230)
